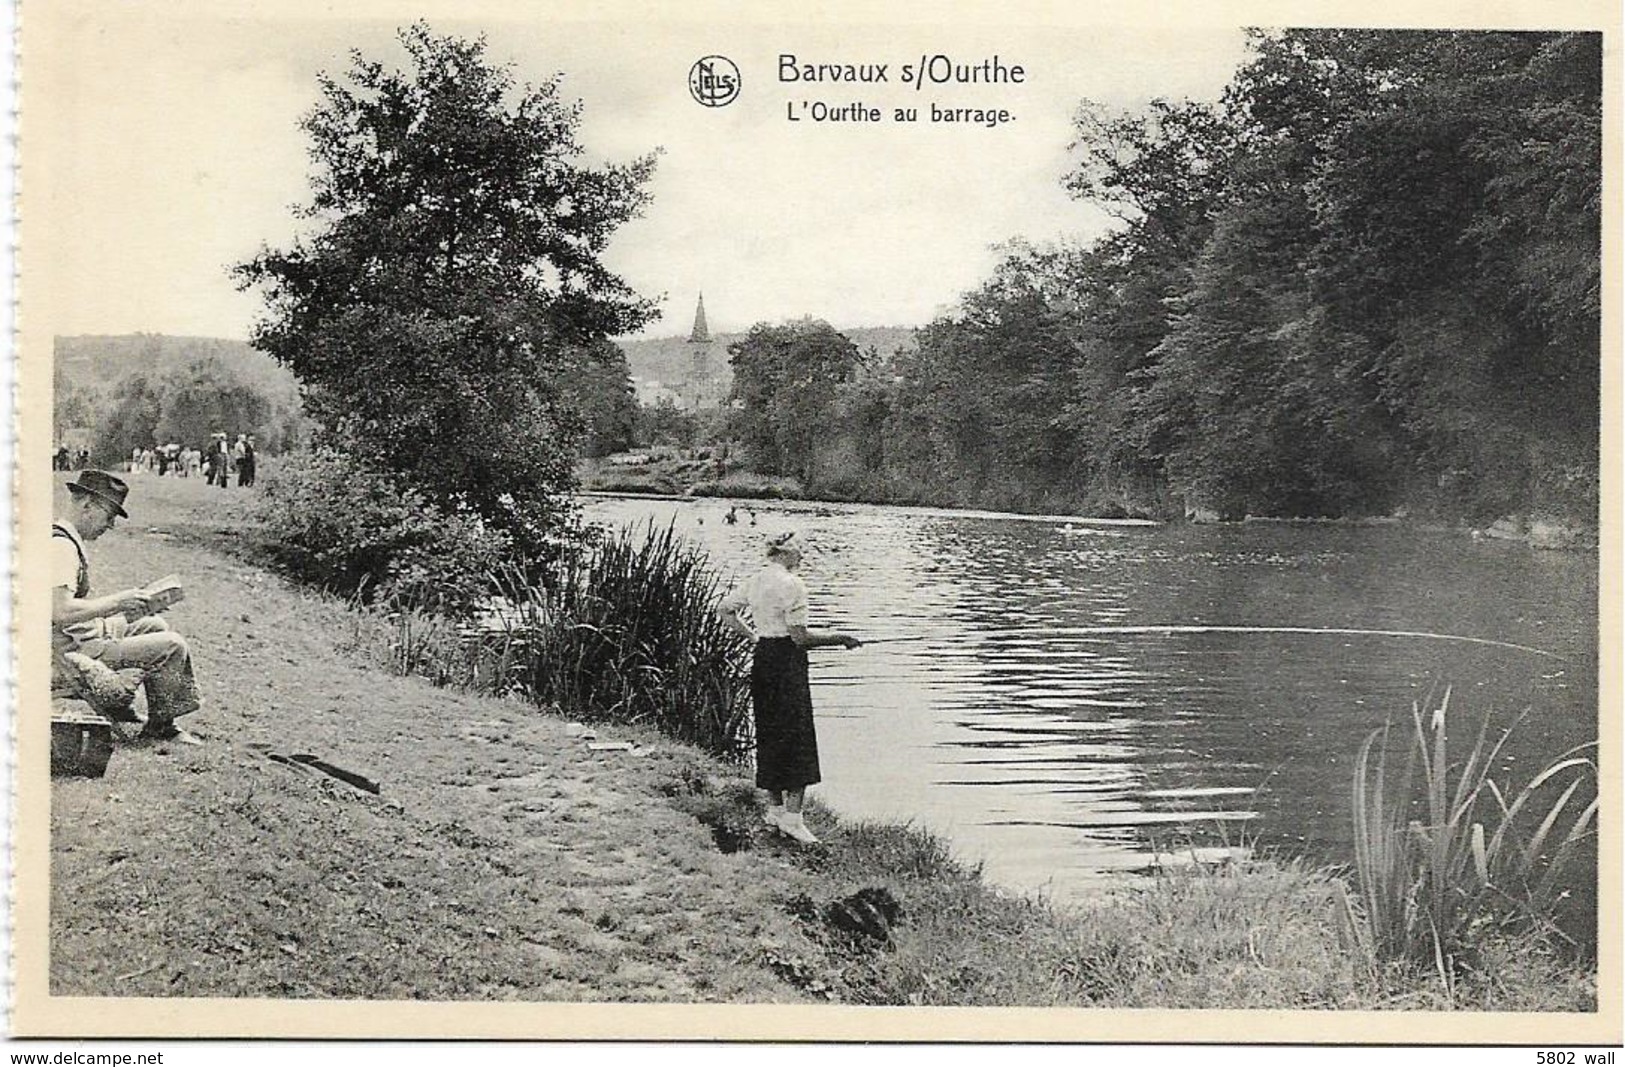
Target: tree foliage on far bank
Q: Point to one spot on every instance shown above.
(786, 378)
(598, 391)
(1366, 278)
(452, 281)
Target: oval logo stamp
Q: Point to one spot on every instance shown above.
(714, 81)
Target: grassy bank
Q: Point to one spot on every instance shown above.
(504, 858)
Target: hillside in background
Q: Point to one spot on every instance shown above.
(92, 361)
(95, 362)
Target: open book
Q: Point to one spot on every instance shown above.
(165, 592)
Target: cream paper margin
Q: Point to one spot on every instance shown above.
(46, 76)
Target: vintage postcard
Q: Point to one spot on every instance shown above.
(1021, 522)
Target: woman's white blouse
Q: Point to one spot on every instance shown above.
(776, 598)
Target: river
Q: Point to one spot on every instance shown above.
(1026, 719)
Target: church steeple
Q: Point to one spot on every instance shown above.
(699, 335)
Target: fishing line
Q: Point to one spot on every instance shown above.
(1070, 631)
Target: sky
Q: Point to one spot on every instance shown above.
(170, 149)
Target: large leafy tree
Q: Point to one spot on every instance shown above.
(72, 407)
(450, 278)
(131, 423)
(599, 391)
(786, 379)
(1461, 233)
(206, 396)
(986, 392)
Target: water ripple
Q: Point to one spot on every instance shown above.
(1058, 754)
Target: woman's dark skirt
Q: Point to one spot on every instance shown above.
(786, 746)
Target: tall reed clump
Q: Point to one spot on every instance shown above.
(1445, 856)
(625, 630)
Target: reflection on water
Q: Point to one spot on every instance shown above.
(993, 710)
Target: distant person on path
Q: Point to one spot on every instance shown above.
(786, 742)
(245, 460)
(117, 630)
(218, 461)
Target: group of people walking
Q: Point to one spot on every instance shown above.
(64, 458)
(216, 463)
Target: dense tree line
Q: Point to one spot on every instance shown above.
(183, 405)
(114, 393)
(1365, 279)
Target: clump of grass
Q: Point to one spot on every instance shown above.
(729, 807)
(603, 482)
(748, 485)
(626, 630)
(1245, 934)
(1446, 859)
(623, 628)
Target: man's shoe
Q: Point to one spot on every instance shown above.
(795, 826)
(168, 731)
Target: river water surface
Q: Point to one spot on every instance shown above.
(1022, 722)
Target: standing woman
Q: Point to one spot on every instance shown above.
(786, 743)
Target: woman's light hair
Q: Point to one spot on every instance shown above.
(788, 541)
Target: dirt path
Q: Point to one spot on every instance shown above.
(502, 859)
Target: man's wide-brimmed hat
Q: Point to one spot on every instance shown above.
(106, 488)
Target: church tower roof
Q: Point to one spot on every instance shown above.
(699, 335)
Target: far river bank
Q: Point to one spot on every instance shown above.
(700, 473)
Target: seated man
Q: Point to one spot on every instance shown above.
(117, 630)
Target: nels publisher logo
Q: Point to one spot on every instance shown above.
(714, 81)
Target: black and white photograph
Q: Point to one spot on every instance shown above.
(1006, 524)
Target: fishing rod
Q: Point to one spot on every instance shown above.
(1070, 631)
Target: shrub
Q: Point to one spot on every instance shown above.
(342, 527)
